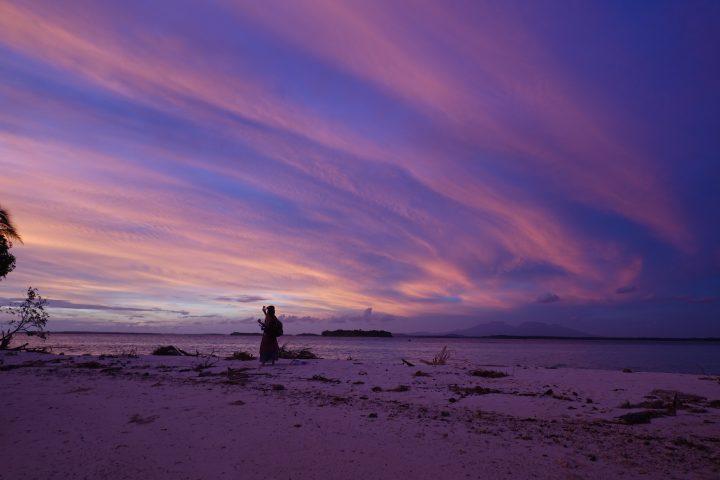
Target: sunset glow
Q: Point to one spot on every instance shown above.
(173, 166)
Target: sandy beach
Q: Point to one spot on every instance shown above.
(168, 417)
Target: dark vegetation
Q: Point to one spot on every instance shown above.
(297, 354)
(476, 390)
(171, 350)
(440, 358)
(7, 259)
(8, 233)
(399, 388)
(30, 316)
(488, 373)
(356, 333)
(635, 418)
(320, 378)
(661, 403)
(242, 356)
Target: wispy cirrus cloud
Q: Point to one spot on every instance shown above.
(457, 157)
(65, 304)
(242, 299)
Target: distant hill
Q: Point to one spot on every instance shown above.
(356, 333)
(526, 329)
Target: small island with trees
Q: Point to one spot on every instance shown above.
(356, 333)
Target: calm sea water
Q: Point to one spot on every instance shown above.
(681, 357)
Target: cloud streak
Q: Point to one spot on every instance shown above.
(456, 158)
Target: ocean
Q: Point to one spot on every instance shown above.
(694, 357)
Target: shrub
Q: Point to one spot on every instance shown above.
(301, 353)
(29, 318)
(169, 350)
(242, 356)
(488, 373)
(440, 358)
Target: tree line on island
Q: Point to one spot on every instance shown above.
(356, 333)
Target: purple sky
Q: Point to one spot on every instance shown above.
(175, 165)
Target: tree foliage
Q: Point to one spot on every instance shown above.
(8, 233)
(7, 259)
(29, 317)
(7, 228)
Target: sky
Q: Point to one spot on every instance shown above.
(412, 166)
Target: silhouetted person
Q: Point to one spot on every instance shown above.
(272, 328)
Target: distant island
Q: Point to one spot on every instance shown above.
(249, 334)
(356, 333)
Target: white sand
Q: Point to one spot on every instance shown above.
(157, 418)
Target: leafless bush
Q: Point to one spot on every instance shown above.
(242, 356)
(170, 350)
(206, 361)
(297, 354)
(29, 318)
(440, 358)
(122, 352)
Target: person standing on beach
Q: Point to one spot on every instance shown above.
(272, 328)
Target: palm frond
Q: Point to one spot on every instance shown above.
(7, 228)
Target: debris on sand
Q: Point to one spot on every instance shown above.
(31, 363)
(170, 350)
(684, 442)
(669, 400)
(242, 356)
(440, 358)
(320, 378)
(297, 354)
(676, 396)
(399, 388)
(237, 375)
(636, 418)
(140, 420)
(652, 404)
(488, 373)
(476, 390)
(92, 365)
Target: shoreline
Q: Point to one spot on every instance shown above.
(169, 417)
(405, 335)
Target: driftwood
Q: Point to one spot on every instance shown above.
(172, 351)
(407, 363)
(299, 354)
(242, 356)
